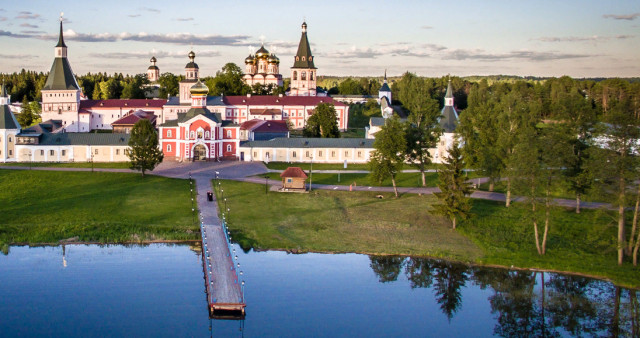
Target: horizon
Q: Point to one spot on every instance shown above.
(580, 39)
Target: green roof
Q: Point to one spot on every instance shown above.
(61, 76)
(449, 119)
(304, 52)
(7, 119)
(307, 142)
(449, 93)
(61, 38)
(385, 87)
(4, 90)
(94, 139)
(193, 112)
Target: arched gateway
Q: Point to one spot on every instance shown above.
(200, 153)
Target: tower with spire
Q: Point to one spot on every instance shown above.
(448, 123)
(385, 91)
(9, 128)
(61, 92)
(303, 72)
(191, 77)
(153, 72)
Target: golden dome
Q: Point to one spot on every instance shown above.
(273, 59)
(262, 53)
(199, 89)
(249, 59)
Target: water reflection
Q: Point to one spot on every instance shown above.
(523, 303)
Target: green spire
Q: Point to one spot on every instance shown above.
(304, 58)
(449, 94)
(61, 38)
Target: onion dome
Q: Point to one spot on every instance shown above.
(153, 59)
(199, 89)
(250, 59)
(192, 64)
(273, 59)
(262, 53)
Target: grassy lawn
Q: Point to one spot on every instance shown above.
(110, 165)
(408, 180)
(557, 192)
(48, 206)
(333, 166)
(331, 221)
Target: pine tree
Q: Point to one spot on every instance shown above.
(454, 190)
(145, 153)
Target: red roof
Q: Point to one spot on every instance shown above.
(248, 125)
(264, 111)
(134, 117)
(294, 172)
(122, 103)
(278, 126)
(270, 100)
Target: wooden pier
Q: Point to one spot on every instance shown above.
(225, 294)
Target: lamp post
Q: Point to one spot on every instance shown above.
(266, 184)
(30, 160)
(311, 174)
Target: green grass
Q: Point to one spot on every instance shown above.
(336, 166)
(581, 243)
(557, 191)
(405, 180)
(110, 165)
(329, 221)
(332, 221)
(48, 206)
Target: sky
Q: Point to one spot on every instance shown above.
(579, 38)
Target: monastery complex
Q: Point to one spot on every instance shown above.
(194, 125)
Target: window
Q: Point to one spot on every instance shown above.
(289, 180)
(346, 153)
(193, 134)
(333, 154)
(200, 134)
(303, 76)
(41, 152)
(320, 153)
(168, 147)
(64, 153)
(228, 133)
(51, 152)
(359, 154)
(255, 154)
(310, 74)
(117, 151)
(294, 154)
(308, 154)
(303, 58)
(267, 155)
(9, 139)
(169, 133)
(229, 148)
(295, 73)
(206, 134)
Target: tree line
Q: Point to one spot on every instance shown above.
(533, 138)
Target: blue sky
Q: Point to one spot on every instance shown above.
(431, 38)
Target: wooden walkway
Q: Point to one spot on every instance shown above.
(224, 289)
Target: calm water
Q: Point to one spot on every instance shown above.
(158, 290)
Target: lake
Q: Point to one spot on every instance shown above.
(158, 290)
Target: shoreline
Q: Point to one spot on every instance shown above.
(302, 252)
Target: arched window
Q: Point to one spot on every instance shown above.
(303, 58)
(168, 147)
(228, 133)
(228, 147)
(295, 75)
(206, 134)
(193, 134)
(169, 133)
(311, 76)
(303, 76)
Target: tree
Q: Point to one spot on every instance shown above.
(423, 130)
(323, 122)
(135, 87)
(617, 161)
(453, 187)
(388, 157)
(169, 85)
(30, 114)
(228, 81)
(144, 153)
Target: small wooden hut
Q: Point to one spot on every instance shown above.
(293, 179)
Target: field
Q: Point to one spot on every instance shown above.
(49, 206)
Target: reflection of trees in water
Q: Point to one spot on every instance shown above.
(387, 268)
(524, 303)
